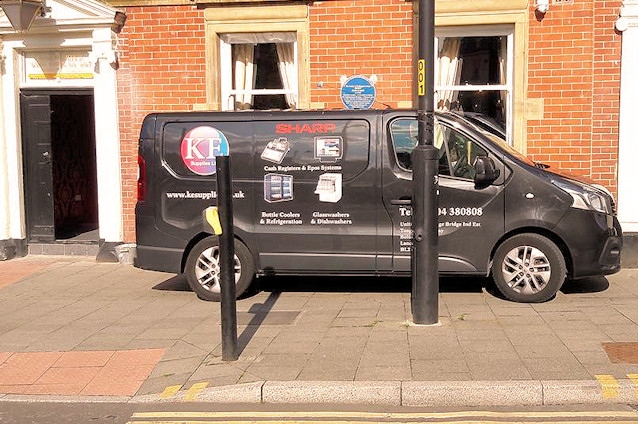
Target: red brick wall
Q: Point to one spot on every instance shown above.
(607, 57)
(362, 37)
(162, 68)
(574, 56)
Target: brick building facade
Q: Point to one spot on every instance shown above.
(574, 58)
(552, 80)
(565, 80)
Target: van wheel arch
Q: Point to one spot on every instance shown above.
(201, 236)
(189, 247)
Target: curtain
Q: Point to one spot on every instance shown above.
(244, 74)
(288, 71)
(450, 65)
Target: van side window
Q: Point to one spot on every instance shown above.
(456, 151)
(404, 133)
(460, 153)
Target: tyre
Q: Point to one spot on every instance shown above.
(528, 268)
(202, 269)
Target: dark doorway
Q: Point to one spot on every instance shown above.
(58, 140)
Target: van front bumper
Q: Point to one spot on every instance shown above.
(610, 255)
(594, 242)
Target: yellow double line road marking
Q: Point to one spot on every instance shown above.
(484, 417)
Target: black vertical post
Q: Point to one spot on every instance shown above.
(227, 260)
(425, 267)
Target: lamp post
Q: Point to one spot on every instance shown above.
(21, 13)
(425, 266)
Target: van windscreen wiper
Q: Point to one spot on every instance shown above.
(541, 165)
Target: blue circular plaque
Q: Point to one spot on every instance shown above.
(358, 92)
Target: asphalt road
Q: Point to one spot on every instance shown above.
(198, 413)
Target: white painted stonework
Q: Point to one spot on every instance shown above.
(81, 26)
(628, 131)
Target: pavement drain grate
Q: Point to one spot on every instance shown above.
(622, 352)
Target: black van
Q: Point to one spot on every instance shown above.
(328, 193)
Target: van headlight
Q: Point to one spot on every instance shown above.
(586, 197)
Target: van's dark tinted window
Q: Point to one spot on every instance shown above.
(404, 134)
(314, 145)
(457, 152)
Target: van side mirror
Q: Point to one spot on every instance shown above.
(486, 171)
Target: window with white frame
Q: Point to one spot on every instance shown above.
(474, 74)
(259, 70)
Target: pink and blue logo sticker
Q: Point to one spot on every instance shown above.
(200, 146)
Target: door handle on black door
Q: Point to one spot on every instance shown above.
(402, 201)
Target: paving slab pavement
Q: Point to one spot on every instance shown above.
(309, 340)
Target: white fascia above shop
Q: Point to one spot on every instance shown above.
(70, 15)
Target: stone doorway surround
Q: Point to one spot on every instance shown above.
(85, 30)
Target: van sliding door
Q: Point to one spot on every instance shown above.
(316, 209)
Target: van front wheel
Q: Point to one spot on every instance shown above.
(528, 268)
(203, 271)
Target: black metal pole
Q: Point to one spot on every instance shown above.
(227, 260)
(425, 267)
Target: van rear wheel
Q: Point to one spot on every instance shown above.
(203, 271)
(528, 268)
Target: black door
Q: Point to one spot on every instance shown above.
(58, 144)
(38, 171)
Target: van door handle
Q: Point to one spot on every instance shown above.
(402, 201)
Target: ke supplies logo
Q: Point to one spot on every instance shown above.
(199, 148)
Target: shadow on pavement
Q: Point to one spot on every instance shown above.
(176, 283)
(357, 284)
(260, 311)
(354, 284)
(365, 284)
(585, 285)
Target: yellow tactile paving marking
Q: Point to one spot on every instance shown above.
(609, 385)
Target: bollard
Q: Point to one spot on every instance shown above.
(227, 260)
(425, 269)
